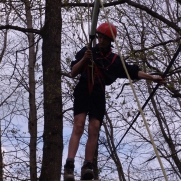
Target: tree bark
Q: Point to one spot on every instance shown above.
(52, 137)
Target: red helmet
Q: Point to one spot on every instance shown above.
(104, 29)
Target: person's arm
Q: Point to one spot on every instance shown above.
(158, 79)
(77, 68)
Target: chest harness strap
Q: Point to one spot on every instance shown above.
(94, 71)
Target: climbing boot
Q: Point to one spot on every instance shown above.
(69, 171)
(87, 171)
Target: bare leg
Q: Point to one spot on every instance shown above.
(93, 133)
(78, 129)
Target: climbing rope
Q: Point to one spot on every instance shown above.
(134, 92)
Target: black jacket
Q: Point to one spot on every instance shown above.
(107, 68)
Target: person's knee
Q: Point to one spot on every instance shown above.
(78, 129)
(79, 123)
(94, 127)
(93, 134)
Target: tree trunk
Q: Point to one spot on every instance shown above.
(32, 100)
(52, 137)
(32, 114)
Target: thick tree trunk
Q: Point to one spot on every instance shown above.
(52, 137)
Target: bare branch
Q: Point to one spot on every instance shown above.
(24, 30)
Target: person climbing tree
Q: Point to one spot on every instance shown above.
(98, 67)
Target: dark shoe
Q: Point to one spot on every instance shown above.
(69, 171)
(87, 171)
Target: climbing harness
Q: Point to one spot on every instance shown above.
(109, 58)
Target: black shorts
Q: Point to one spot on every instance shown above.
(92, 103)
